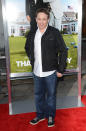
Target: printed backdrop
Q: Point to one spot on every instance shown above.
(18, 26)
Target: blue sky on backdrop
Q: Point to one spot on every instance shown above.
(20, 4)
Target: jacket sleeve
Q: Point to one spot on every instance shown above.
(62, 53)
(27, 45)
(27, 7)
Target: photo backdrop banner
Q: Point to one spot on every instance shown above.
(63, 15)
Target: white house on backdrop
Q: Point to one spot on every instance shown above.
(70, 22)
(19, 26)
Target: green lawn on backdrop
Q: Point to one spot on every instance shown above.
(17, 53)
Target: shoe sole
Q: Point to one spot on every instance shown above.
(37, 122)
(51, 125)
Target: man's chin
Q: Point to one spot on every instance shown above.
(41, 27)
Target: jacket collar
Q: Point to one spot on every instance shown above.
(44, 32)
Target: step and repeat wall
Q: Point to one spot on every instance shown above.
(64, 15)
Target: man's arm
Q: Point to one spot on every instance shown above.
(27, 45)
(28, 18)
(61, 47)
(27, 3)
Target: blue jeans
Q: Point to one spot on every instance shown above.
(45, 95)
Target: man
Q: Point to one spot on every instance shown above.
(31, 7)
(56, 12)
(42, 48)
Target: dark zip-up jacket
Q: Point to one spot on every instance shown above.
(53, 49)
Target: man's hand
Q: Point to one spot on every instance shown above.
(28, 18)
(59, 74)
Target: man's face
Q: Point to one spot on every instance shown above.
(42, 20)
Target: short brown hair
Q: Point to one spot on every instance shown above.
(43, 10)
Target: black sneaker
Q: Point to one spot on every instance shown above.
(36, 120)
(50, 121)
